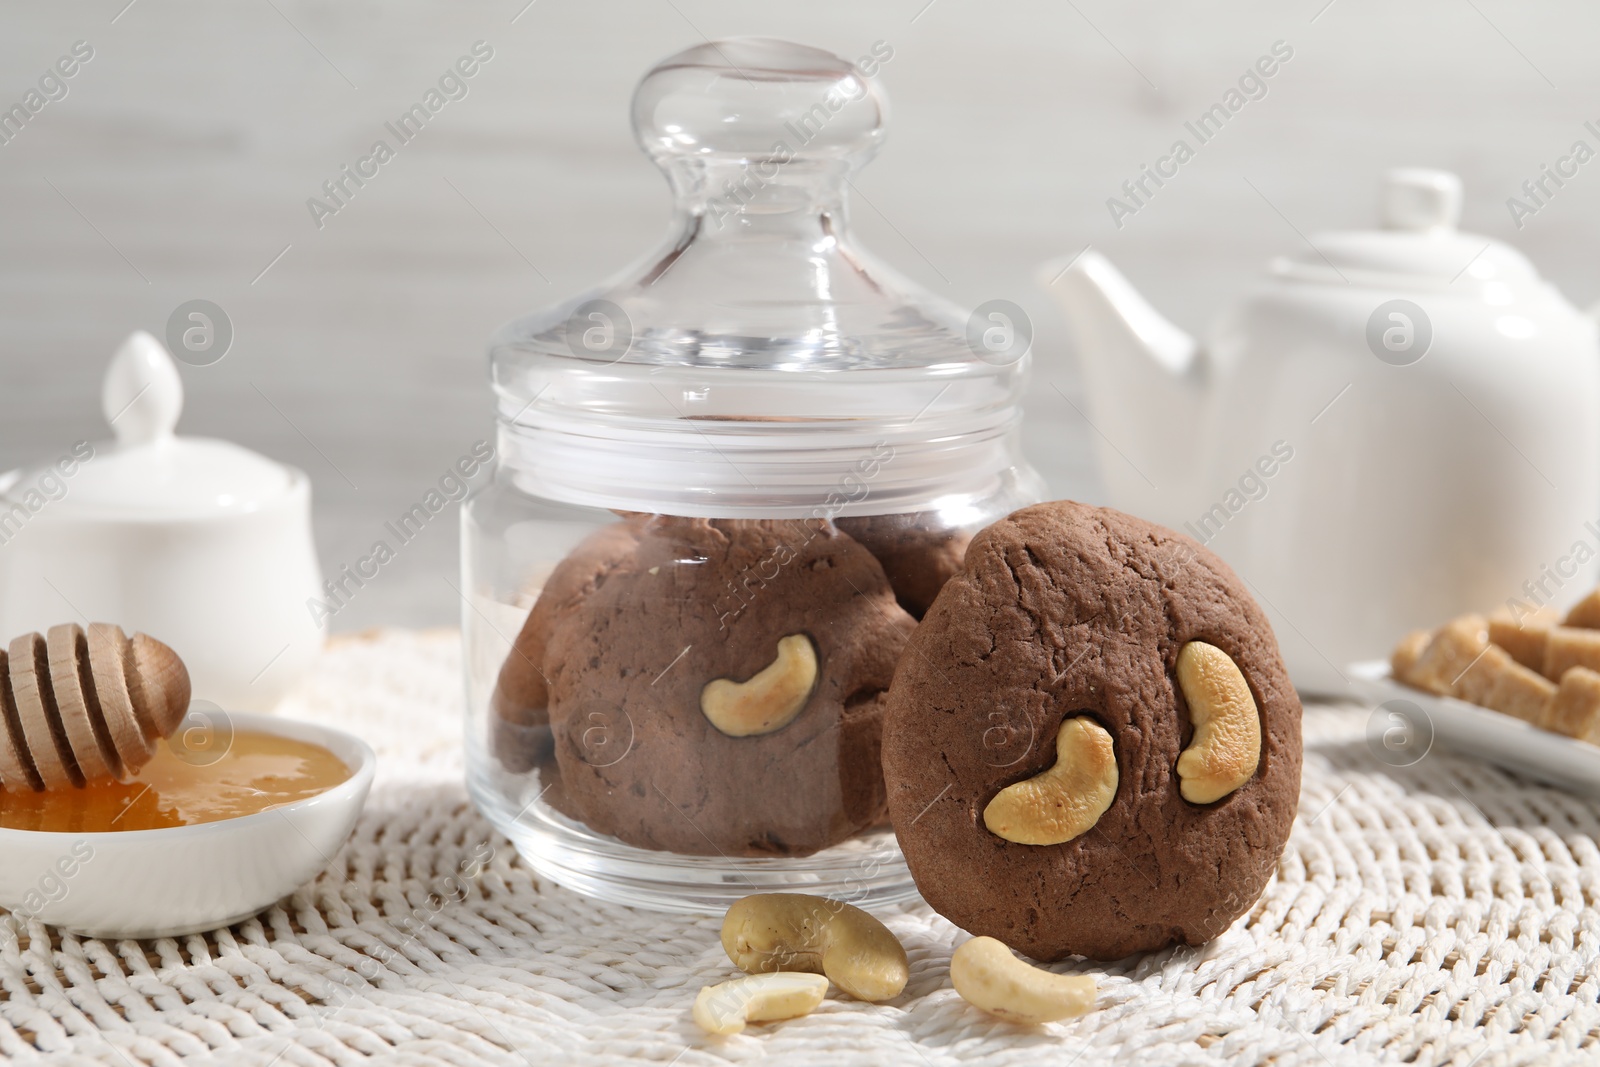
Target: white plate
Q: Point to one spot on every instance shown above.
(1466, 728)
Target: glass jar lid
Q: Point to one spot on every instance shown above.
(758, 358)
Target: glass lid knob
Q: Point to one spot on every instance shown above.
(757, 100)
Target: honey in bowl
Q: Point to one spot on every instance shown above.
(255, 772)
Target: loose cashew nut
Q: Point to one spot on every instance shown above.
(989, 977)
(796, 932)
(1227, 727)
(1068, 799)
(758, 998)
(768, 701)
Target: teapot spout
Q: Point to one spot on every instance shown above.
(1145, 383)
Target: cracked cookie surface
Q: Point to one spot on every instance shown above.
(1064, 610)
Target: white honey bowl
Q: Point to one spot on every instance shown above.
(185, 879)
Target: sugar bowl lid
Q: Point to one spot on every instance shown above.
(148, 473)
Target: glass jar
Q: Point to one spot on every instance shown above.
(727, 486)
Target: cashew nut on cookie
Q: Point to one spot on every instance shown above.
(1064, 801)
(770, 699)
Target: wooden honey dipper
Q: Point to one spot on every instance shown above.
(80, 706)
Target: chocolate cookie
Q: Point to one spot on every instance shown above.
(721, 690)
(519, 726)
(917, 554)
(1040, 701)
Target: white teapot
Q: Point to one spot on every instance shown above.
(198, 542)
(1392, 428)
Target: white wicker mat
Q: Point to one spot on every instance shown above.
(1441, 914)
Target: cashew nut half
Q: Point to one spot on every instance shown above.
(1058, 804)
(724, 1008)
(768, 701)
(796, 932)
(989, 977)
(1226, 746)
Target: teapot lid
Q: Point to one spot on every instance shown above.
(1419, 244)
(147, 472)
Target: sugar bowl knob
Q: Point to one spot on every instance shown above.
(142, 395)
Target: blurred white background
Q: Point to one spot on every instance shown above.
(179, 163)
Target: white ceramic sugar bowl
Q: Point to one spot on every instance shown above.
(198, 541)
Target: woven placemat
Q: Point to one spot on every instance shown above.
(1443, 913)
